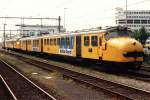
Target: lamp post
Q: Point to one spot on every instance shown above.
(65, 18)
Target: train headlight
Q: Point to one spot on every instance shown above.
(18, 43)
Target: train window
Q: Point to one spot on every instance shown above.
(71, 42)
(67, 42)
(86, 41)
(54, 41)
(44, 41)
(36, 42)
(58, 41)
(48, 42)
(94, 41)
(33, 42)
(114, 34)
(100, 41)
(62, 42)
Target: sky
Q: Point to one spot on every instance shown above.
(79, 14)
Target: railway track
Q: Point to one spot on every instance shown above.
(119, 90)
(21, 87)
(5, 91)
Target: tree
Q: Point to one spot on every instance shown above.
(141, 35)
(136, 35)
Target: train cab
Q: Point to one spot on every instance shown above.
(120, 47)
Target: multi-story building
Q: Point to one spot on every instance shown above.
(135, 18)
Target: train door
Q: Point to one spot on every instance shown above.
(26, 45)
(41, 45)
(94, 50)
(100, 47)
(78, 46)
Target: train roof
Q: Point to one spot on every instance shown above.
(30, 38)
(118, 28)
(13, 39)
(76, 33)
(62, 34)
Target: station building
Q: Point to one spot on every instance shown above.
(135, 18)
(35, 30)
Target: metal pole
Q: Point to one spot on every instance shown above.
(21, 26)
(4, 36)
(10, 34)
(65, 18)
(126, 13)
(59, 19)
(41, 22)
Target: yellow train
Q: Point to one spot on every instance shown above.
(113, 45)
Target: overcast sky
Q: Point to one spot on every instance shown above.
(80, 14)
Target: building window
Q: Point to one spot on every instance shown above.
(148, 21)
(136, 21)
(130, 21)
(143, 21)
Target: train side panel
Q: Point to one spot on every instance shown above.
(68, 45)
(90, 46)
(29, 45)
(23, 45)
(53, 47)
(17, 45)
(36, 45)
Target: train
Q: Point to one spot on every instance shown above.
(113, 45)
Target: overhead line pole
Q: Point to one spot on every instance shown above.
(126, 13)
(4, 36)
(65, 18)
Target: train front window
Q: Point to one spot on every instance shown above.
(115, 34)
